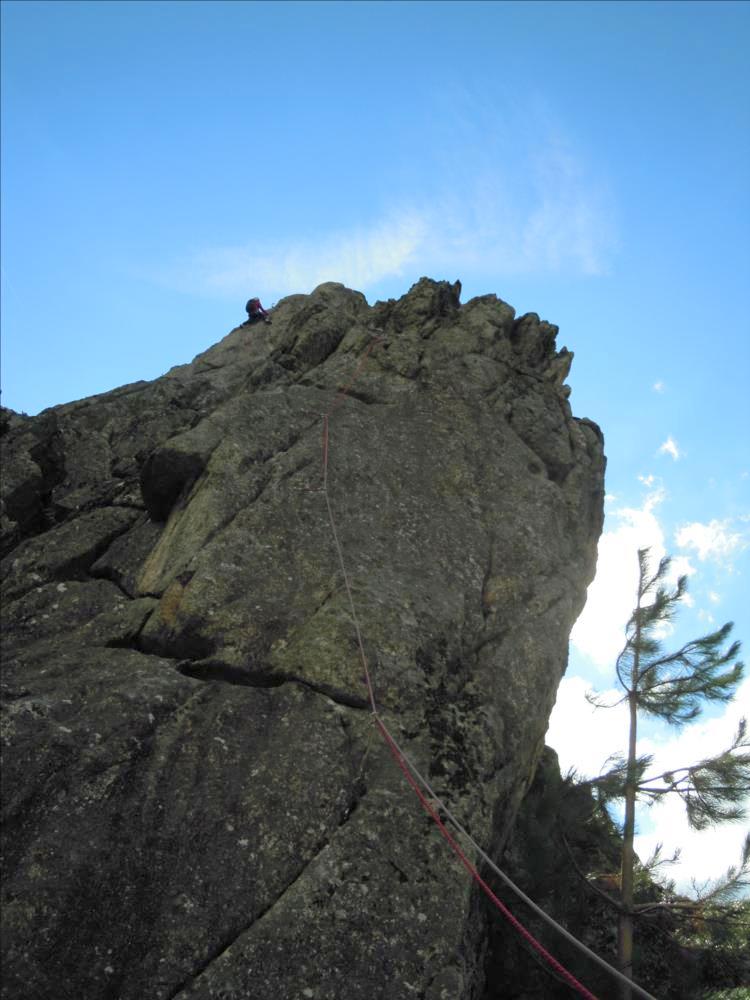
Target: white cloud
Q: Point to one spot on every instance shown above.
(659, 386)
(670, 448)
(680, 566)
(647, 481)
(358, 258)
(715, 540)
(713, 597)
(598, 633)
(705, 855)
(539, 214)
(585, 737)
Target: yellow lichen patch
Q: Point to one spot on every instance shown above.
(455, 480)
(498, 592)
(169, 605)
(150, 579)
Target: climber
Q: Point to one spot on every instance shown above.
(255, 312)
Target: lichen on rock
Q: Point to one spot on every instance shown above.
(198, 804)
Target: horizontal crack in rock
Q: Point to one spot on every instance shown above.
(217, 671)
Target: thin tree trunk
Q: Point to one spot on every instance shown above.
(625, 926)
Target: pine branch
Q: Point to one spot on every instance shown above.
(713, 790)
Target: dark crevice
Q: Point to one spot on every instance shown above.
(108, 574)
(522, 372)
(208, 366)
(363, 397)
(327, 597)
(402, 876)
(188, 645)
(75, 570)
(132, 641)
(338, 695)
(485, 607)
(304, 463)
(167, 479)
(184, 499)
(82, 566)
(358, 793)
(358, 395)
(8, 599)
(29, 504)
(216, 671)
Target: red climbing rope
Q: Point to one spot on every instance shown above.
(340, 397)
(414, 778)
(471, 869)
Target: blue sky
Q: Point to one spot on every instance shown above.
(161, 162)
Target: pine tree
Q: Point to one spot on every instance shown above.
(674, 687)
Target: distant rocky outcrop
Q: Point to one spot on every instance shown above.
(196, 802)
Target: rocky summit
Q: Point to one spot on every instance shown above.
(197, 802)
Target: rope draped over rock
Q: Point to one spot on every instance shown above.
(421, 787)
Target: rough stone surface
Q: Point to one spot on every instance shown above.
(197, 803)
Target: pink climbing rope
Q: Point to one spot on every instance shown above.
(398, 756)
(471, 869)
(338, 400)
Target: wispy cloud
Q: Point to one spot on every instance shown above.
(670, 447)
(716, 541)
(659, 386)
(358, 257)
(533, 213)
(567, 228)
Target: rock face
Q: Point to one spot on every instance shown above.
(197, 803)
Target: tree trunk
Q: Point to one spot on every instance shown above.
(625, 927)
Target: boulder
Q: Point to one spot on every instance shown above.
(198, 803)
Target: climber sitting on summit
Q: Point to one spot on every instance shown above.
(256, 312)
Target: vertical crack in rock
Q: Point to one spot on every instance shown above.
(347, 812)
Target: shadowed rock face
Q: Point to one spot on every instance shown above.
(197, 803)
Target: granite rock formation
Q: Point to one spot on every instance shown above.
(197, 803)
